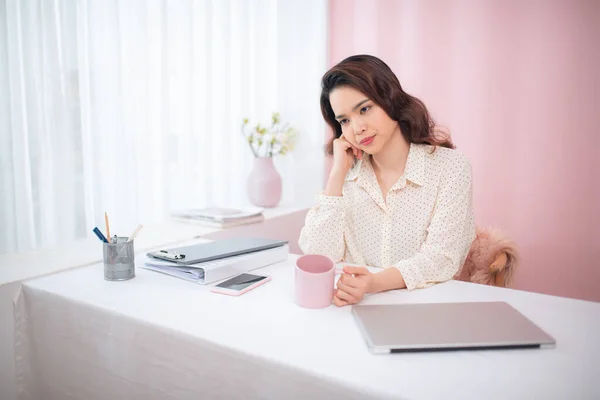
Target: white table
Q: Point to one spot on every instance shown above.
(158, 337)
(281, 222)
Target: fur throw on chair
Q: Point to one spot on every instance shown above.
(491, 259)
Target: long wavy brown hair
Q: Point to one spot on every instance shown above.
(372, 77)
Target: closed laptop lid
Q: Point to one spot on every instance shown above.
(446, 326)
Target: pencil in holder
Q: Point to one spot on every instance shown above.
(119, 260)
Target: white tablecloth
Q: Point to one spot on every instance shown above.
(157, 337)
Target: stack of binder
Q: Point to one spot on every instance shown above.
(210, 262)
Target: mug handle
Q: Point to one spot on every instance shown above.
(339, 267)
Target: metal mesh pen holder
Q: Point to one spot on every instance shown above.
(119, 260)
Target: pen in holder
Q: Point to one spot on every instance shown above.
(119, 260)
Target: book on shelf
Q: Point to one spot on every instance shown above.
(220, 217)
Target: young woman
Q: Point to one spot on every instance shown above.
(399, 197)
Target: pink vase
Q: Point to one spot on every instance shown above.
(264, 183)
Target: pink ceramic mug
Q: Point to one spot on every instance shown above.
(314, 280)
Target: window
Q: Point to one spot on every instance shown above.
(135, 108)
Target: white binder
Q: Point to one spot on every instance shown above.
(213, 271)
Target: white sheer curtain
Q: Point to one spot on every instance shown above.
(134, 107)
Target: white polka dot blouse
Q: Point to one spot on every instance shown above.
(424, 226)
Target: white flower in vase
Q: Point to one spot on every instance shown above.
(264, 182)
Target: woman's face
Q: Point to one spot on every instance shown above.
(364, 124)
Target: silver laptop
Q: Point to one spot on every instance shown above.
(394, 328)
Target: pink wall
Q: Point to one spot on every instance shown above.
(517, 82)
